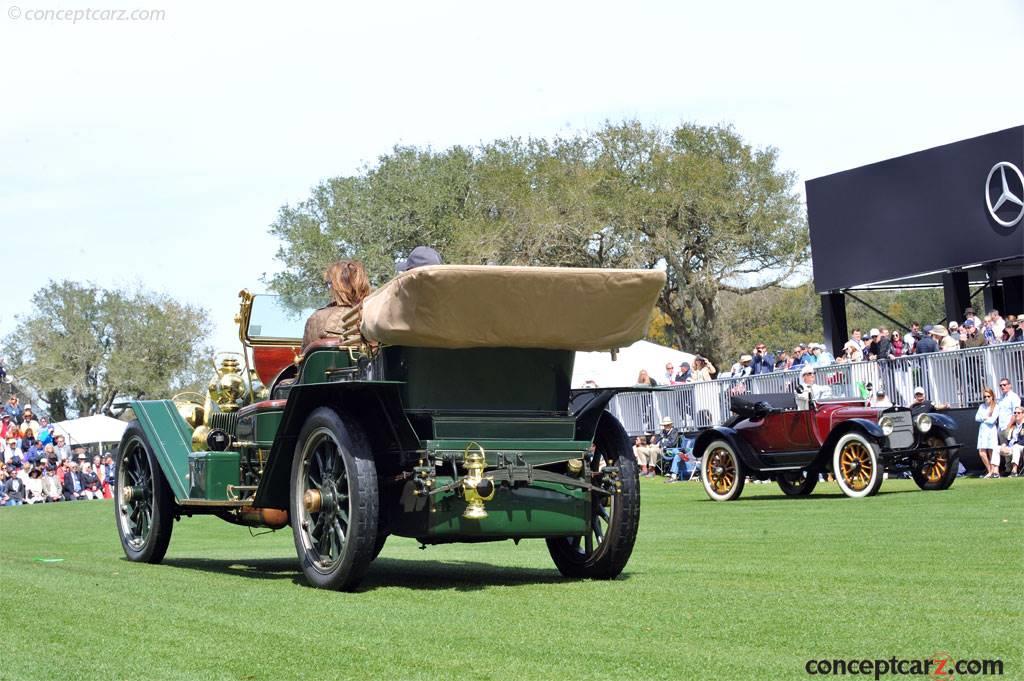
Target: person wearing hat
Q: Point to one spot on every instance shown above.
(941, 337)
(929, 342)
(679, 469)
(34, 487)
(879, 400)
(808, 392)
(28, 421)
(822, 357)
(665, 440)
(703, 369)
(954, 332)
(683, 373)
(969, 336)
(742, 368)
(851, 353)
(421, 256)
(878, 346)
(8, 426)
(648, 451)
(922, 405)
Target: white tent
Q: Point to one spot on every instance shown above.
(599, 367)
(91, 429)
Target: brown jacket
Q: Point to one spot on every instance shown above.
(325, 323)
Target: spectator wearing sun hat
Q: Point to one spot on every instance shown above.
(34, 486)
(28, 421)
(954, 333)
(8, 427)
(852, 353)
(941, 336)
(742, 368)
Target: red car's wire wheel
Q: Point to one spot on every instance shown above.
(937, 466)
(856, 465)
(722, 473)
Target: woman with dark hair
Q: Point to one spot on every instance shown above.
(348, 284)
(988, 431)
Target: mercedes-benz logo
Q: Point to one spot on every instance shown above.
(1006, 195)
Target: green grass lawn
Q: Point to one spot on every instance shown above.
(744, 590)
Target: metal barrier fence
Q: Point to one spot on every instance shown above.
(955, 377)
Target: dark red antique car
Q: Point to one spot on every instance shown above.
(769, 438)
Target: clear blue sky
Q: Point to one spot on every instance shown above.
(156, 153)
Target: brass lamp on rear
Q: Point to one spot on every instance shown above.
(476, 489)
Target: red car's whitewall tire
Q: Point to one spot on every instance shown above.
(721, 472)
(857, 465)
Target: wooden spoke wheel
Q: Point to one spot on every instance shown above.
(721, 472)
(143, 502)
(604, 550)
(857, 466)
(797, 484)
(938, 470)
(334, 502)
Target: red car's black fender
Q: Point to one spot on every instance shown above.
(869, 429)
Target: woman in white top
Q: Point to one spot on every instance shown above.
(34, 488)
(988, 431)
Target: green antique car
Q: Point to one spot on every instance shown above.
(443, 413)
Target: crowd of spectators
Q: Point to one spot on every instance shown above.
(878, 343)
(38, 466)
(1000, 418)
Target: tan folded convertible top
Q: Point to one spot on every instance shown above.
(471, 306)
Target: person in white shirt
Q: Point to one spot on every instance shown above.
(998, 323)
(1014, 447)
(910, 338)
(61, 448)
(879, 400)
(808, 391)
(742, 368)
(1008, 401)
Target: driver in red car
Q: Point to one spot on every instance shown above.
(808, 391)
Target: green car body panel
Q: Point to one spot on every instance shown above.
(428, 404)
